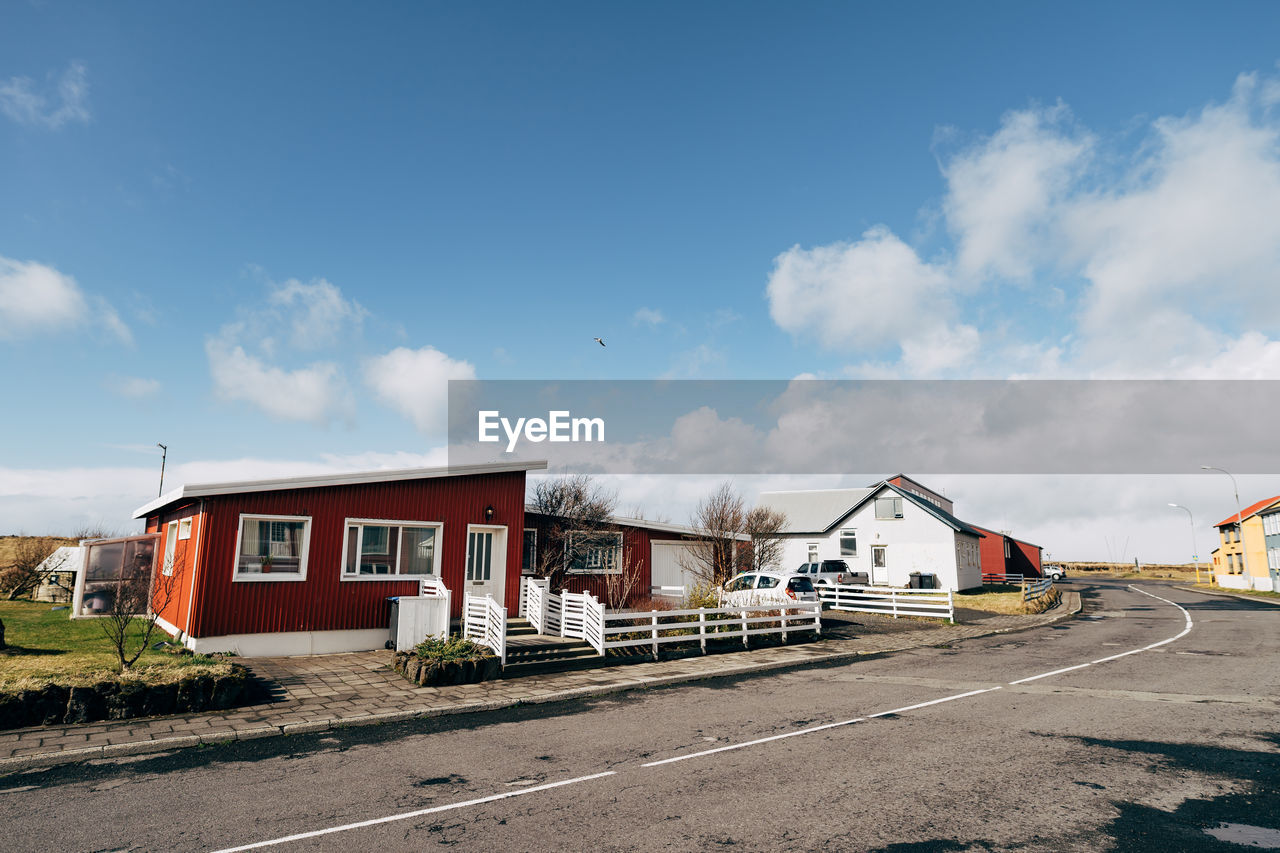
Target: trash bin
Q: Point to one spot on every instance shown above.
(915, 580)
(928, 580)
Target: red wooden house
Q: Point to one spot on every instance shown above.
(1001, 554)
(655, 553)
(306, 565)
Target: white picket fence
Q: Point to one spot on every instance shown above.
(433, 587)
(484, 621)
(890, 601)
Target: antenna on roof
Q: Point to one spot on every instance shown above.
(164, 454)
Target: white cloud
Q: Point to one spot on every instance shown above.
(316, 393)
(857, 296)
(649, 317)
(415, 383)
(60, 103)
(134, 387)
(317, 313)
(1002, 194)
(37, 299)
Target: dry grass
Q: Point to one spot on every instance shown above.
(1006, 599)
(9, 545)
(1256, 593)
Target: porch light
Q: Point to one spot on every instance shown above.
(488, 513)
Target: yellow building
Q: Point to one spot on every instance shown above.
(1248, 556)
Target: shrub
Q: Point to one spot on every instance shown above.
(453, 649)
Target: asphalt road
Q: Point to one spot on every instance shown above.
(1144, 751)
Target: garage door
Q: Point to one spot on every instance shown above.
(667, 569)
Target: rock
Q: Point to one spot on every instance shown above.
(84, 705)
(13, 712)
(429, 673)
(412, 666)
(127, 701)
(53, 705)
(161, 699)
(492, 667)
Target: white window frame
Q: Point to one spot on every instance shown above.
(600, 570)
(184, 529)
(170, 547)
(438, 526)
(272, 577)
(853, 532)
(899, 507)
(812, 552)
(534, 563)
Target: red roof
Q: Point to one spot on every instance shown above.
(1248, 511)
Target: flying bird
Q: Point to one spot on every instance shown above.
(597, 340)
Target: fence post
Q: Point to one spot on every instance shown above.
(893, 602)
(702, 628)
(745, 644)
(951, 607)
(653, 620)
(783, 611)
(817, 621)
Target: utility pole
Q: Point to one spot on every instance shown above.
(164, 454)
(1244, 557)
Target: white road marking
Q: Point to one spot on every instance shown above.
(1047, 674)
(419, 813)
(494, 797)
(813, 729)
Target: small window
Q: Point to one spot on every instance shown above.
(767, 582)
(594, 552)
(877, 557)
(184, 529)
(529, 556)
(170, 547)
(800, 585)
(1007, 552)
(887, 508)
(848, 543)
(390, 549)
(813, 552)
(272, 548)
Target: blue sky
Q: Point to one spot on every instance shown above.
(351, 203)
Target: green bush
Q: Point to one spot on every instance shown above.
(452, 649)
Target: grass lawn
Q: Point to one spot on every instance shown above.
(998, 598)
(45, 645)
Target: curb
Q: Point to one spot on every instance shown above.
(1274, 602)
(71, 756)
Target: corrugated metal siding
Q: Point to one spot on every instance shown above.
(1024, 559)
(323, 602)
(172, 604)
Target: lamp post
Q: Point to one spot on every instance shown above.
(1244, 568)
(1195, 552)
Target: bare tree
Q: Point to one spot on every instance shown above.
(129, 621)
(719, 520)
(32, 564)
(95, 531)
(569, 505)
(619, 586)
(765, 526)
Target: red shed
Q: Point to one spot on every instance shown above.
(305, 565)
(1001, 554)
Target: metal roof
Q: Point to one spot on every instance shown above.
(201, 490)
(1249, 511)
(814, 511)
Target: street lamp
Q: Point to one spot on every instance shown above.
(1195, 552)
(1244, 567)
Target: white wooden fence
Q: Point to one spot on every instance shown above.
(996, 577)
(485, 621)
(893, 602)
(581, 615)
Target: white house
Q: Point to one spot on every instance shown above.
(886, 532)
(60, 569)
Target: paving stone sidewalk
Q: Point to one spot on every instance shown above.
(312, 694)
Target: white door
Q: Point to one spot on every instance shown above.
(879, 565)
(667, 566)
(486, 561)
